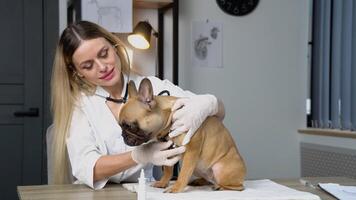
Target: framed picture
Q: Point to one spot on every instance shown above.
(113, 15)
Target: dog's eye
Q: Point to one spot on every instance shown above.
(125, 125)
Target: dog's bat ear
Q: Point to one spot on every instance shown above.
(132, 89)
(145, 92)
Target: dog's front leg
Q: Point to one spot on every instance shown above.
(167, 175)
(190, 159)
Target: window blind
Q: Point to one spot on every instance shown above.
(333, 83)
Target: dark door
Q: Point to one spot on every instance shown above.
(21, 94)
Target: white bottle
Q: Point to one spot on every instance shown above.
(141, 192)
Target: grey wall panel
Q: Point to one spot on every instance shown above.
(12, 94)
(12, 148)
(7, 114)
(12, 46)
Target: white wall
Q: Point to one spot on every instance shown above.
(263, 82)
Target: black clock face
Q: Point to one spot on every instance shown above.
(237, 7)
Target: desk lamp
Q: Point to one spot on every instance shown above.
(141, 35)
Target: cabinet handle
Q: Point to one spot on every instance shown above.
(31, 112)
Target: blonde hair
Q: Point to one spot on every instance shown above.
(66, 87)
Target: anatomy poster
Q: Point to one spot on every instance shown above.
(113, 15)
(207, 44)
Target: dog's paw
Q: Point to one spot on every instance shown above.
(217, 187)
(174, 189)
(159, 184)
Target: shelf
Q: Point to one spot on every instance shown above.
(328, 132)
(153, 4)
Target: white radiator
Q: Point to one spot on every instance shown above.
(320, 160)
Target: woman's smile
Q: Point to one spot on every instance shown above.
(109, 75)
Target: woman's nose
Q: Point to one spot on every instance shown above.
(101, 66)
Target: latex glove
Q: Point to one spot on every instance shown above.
(190, 113)
(157, 153)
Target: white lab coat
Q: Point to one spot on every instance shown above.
(94, 132)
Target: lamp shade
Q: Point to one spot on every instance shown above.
(141, 35)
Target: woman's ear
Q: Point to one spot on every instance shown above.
(132, 89)
(75, 73)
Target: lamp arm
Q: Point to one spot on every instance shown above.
(154, 32)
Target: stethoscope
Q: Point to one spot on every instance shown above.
(124, 99)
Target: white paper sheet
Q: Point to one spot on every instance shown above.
(340, 191)
(207, 37)
(254, 190)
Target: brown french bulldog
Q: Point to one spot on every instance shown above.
(211, 153)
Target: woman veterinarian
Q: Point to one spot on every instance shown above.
(91, 71)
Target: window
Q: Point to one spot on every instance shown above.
(333, 70)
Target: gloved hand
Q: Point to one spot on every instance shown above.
(190, 113)
(157, 153)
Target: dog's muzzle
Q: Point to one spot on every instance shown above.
(134, 136)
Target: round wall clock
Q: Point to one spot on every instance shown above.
(237, 7)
